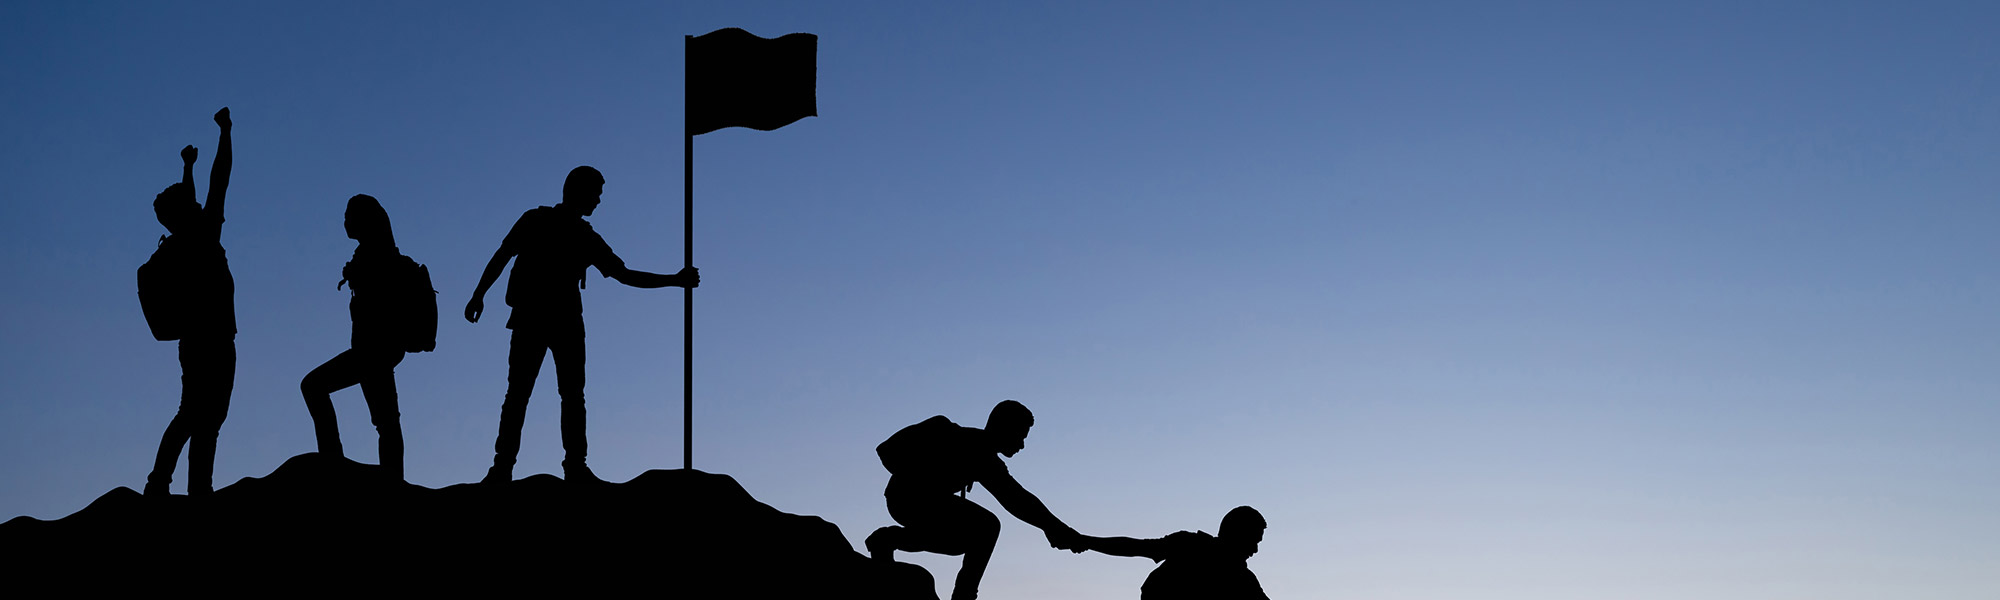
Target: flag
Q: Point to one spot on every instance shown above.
(735, 79)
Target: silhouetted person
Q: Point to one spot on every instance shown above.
(931, 465)
(551, 247)
(385, 285)
(205, 318)
(1195, 565)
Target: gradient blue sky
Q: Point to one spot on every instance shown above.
(1563, 300)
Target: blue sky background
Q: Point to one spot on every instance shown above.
(1538, 301)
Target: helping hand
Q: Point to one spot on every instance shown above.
(1068, 539)
(473, 309)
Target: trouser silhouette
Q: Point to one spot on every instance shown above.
(949, 525)
(524, 364)
(375, 371)
(208, 375)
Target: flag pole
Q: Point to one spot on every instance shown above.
(687, 249)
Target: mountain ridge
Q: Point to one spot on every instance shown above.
(321, 524)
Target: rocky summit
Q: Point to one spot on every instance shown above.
(321, 525)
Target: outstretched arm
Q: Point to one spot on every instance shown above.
(218, 173)
(1122, 546)
(1026, 507)
(687, 277)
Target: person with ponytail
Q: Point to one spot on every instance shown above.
(375, 279)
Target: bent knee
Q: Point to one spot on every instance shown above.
(986, 527)
(317, 383)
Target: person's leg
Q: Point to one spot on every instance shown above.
(951, 526)
(218, 368)
(318, 387)
(569, 359)
(176, 434)
(378, 386)
(982, 532)
(524, 364)
(169, 453)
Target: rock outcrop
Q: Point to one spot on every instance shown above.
(318, 525)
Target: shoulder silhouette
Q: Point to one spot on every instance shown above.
(394, 310)
(931, 466)
(552, 247)
(1194, 564)
(188, 294)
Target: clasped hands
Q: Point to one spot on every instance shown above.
(1066, 538)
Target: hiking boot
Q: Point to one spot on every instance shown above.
(878, 544)
(498, 475)
(155, 489)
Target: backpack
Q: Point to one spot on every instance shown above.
(918, 450)
(1195, 567)
(163, 291)
(409, 304)
(418, 308)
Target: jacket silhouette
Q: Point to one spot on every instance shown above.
(931, 465)
(1195, 565)
(551, 247)
(380, 278)
(204, 317)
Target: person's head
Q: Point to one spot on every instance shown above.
(583, 188)
(366, 221)
(1008, 425)
(175, 207)
(1243, 528)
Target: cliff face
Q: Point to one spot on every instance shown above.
(318, 525)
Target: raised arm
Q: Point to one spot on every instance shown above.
(218, 174)
(188, 155)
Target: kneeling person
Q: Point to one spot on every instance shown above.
(1196, 564)
(931, 464)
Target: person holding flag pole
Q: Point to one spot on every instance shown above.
(551, 247)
